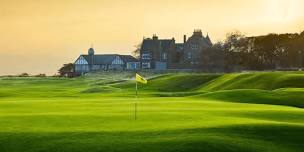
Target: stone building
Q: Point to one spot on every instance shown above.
(156, 53)
(194, 47)
(161, 54)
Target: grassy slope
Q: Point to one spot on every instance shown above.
(288, 97)
(276, 88)
(216, 82)
(261, 88)
(265, 81)
(50, 114)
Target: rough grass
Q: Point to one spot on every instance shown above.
(252, 112)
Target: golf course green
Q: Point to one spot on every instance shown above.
(177, 112)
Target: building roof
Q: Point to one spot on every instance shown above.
(160, 44)
(128, 58)
(147, 43)
(107, 58)
(208, 40)
(166, 44)
(198, 37)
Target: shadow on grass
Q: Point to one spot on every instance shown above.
(276, 97)
(240, 138)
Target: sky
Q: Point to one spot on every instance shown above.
(38, 36)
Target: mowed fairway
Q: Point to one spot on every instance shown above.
(184, 112)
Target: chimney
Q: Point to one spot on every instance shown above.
(185, 38)
(154, 37)
(198, 32)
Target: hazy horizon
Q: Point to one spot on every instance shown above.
(40, 36)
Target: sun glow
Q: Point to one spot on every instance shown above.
(284, 10)
(33, 32)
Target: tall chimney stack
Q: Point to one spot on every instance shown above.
(154, 37)
(185, 38)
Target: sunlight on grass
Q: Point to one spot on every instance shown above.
(184, 112)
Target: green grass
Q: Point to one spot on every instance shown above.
(252, 112)
(265, 81)
(288, 97)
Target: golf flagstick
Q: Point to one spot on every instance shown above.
(142, 80)
(135, 108)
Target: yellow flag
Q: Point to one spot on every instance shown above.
(140, 79)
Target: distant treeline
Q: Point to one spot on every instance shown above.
(272, 51)
(26, 75)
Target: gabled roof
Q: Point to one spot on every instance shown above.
(128, 58)
(100, 59)
(160, 44)
(107, 58)
(204, 41)
(208, 39)
(166, 44)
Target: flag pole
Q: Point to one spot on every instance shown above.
(135, 108)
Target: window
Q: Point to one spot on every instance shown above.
(194, 46)
(146, 65)
(194, 63)
(164, 56)
(189, 55)
(133, 65)
(145, 56)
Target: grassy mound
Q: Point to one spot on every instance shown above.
(216, 82)
(260, 88)
(287, 97)
(172, 83)
(179, 83)
(264, 81)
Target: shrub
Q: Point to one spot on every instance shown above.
(24, 75)
(40, 75)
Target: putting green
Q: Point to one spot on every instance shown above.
(92, 114)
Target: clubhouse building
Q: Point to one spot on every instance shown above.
(102, 62)
(154, 54)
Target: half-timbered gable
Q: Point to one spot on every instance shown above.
(81, 61)
(81, 64)
(118, 61)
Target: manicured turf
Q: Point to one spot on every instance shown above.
(183, 112)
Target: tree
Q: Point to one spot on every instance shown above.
(264, 52)
(234, 41)
(265, 48)
(213, 56)
(24, 75)
(236, 49)
(136, 52)
(302, 34)
(40, 75)
(66, 69)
